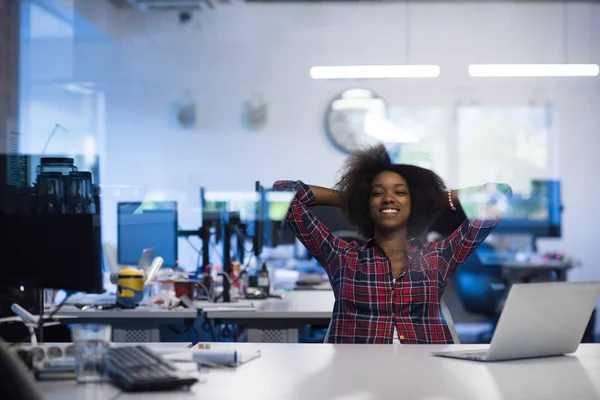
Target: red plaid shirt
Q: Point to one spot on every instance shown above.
(368, 305)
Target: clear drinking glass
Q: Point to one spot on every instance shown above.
(48, 299)
(91, 347)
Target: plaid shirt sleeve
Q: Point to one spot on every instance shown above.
(470, 234)
(314, 235)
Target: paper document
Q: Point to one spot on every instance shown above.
(229, 358)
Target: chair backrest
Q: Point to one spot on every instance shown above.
(479, 286)
(449, 321)
(445, 313)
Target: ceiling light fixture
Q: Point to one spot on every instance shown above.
(563, 69)
(533, 70)
(375, 71)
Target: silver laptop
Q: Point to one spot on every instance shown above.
(146, 258)
(538, 320)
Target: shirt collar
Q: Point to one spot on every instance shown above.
(415, 245)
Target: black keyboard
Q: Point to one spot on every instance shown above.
(139, 369)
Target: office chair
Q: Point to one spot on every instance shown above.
(446, 315)
(449, 321)
(481, 289)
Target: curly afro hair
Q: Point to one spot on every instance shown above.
(427, 190)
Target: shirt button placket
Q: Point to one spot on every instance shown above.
(392, 293)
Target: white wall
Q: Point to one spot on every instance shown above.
(223, 56)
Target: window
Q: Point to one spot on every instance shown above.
(505, 144)
(429, 126)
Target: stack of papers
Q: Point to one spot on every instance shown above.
(205, 356)
(223, 358)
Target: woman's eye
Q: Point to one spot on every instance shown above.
(400, 193)
(374, 194)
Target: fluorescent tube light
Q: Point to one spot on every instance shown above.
(532, 70)
(375, 71)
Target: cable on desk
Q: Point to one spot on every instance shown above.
(243, 271)
(192, 245)
(234, 281)
(207, 290)
(41, 320)
(243, 235)
(199, 252)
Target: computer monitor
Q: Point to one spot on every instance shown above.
(222, 204)
(537, 212)
(338, 224)
(144, 225)
(58, 247)
(333, 218)
(275, 208)
(52, 252)
(233, 209)
(279, 232)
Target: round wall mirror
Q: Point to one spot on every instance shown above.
(348, 119)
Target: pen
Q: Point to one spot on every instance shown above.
(219, 361)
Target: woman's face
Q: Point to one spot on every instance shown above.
(389, 201)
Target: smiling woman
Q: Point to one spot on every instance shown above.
(389, 288)
(369, 177)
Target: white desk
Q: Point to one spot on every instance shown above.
(374, 372)
(136, 325)
(119, 313)
(316, 304)
(278, 320)
(522, 271)
(204, 305)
